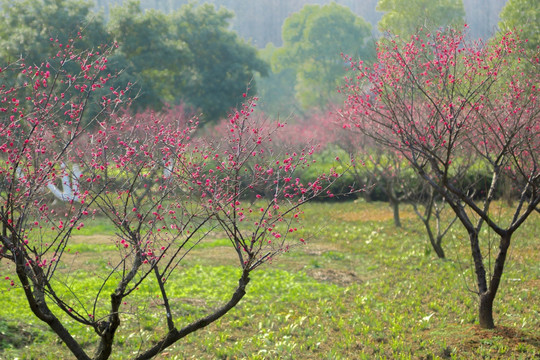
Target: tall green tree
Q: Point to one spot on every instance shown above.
(150, 53)
(314, 40)
(222, 65)
(34, 30)
(277, 96)
(405, 17)
(188, 56)
(525, 16)
(26, 27)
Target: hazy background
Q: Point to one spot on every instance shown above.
(261, 20)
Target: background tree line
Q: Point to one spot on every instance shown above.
(261, 20)
(307, 68)
(187, 56)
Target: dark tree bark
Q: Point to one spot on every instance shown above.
(394, 204)
(487, 298)
(435, 242)
(485, 311)
(33, 282)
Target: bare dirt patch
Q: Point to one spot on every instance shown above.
(512, 338)
(338, 277)
(314, 249)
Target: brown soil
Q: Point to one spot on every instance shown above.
(339, 277)
(511, 337)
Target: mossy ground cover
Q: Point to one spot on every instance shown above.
(359, 289)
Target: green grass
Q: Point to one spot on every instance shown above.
(360, 289)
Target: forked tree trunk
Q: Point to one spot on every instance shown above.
(434, 240)
(487, 298)
(487, 292)
(436, 244)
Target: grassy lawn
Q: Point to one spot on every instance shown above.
(359, 289)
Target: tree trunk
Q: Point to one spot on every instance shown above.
(435, 242)
(486, 311)
(35, 295)
(438, 249)
(478, 260)
(487, 298)
(394, 204)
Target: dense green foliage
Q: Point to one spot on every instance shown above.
(404, 17)
(477, 178)
(523, 15)
(189, 56)
(276, 90)
(360, 289)
(26, 27)
(314, 40)
(150, 51)
(222, 66)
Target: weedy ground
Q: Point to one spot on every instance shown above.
(358, 289)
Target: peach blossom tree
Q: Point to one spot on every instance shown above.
(162, 187)
(442, 102)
